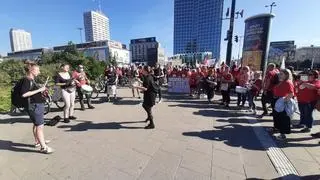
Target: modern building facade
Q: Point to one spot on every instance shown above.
(147, 51)
(96, 26)
(30, 54)
(102, 50)
(197, 26)
(308, 53)
(20, 40)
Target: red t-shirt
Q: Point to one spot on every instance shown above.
(81, 77)
(258, 84)
(269, 77)
(193, 79)
(307, 95)
(283, 89)
(227, 77)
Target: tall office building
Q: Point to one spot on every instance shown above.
(197, 26)
(96, 26)
(20, 40)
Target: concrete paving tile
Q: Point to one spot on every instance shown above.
(200, 145)
(298, 153)
(223, 174)
(196, 161)
(306, 168)
(228, 161)
(187, 174)
(163, 164)
(7, 173)
(39, 175)
(148, 146)
(220, 145)
(262, 171)
(159, 135)
(174, 146)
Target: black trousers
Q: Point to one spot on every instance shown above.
(80, 94)
(282, 122)
(210, 93)
(159, 93)
(148, 109)
(267, 98)
(226, 96)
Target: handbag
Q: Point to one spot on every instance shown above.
(224, 86)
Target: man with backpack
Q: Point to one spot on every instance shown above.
(28, 94)
(270, 81)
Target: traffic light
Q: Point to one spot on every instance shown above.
(236, 38)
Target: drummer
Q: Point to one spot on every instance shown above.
(81, 76)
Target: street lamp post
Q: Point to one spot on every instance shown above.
(273, 4)
(80, 29)
(312, 62)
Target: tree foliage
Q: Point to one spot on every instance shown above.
(13, 70)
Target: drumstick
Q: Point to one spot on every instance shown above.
(45, 84)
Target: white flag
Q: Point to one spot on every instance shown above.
(283, 64)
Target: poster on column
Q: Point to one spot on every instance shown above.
(256, 41)
(178, 85)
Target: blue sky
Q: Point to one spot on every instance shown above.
(55, 22)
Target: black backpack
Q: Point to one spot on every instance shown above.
(16, 96)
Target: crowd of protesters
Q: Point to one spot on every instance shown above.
(284, 90)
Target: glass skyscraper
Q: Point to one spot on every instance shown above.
(197, 26)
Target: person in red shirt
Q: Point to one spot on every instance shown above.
(81, 76)
(270, 80)
(307, 98)
(255, 88)
(243, 80)
(226, 80)
(193, 82)
(285, 89)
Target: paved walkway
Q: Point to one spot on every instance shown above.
(192, 140)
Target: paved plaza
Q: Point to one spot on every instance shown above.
(192, 140)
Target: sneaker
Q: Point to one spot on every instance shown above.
(316, 135)
(46, 150)
(66, 120)
(160, 101)
(36, 145)
(150, 126)
(91, 107)
(298, 126)
(281, 137)
(305, 130)
(72, 118)
(272, 130)
(82, 109)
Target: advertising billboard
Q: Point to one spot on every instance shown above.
(256, 41)
(281, 49)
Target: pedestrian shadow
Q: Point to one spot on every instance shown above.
(219, 114)
(15, 120)
(242, 121)
(127, 102)
(293, 177)
(234, 135)
(89, 125)
(16, 147)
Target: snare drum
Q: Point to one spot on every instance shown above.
(241, 90)
(86, 89)
(112, 89)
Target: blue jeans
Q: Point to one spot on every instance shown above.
(306, 110)
(242, 97)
